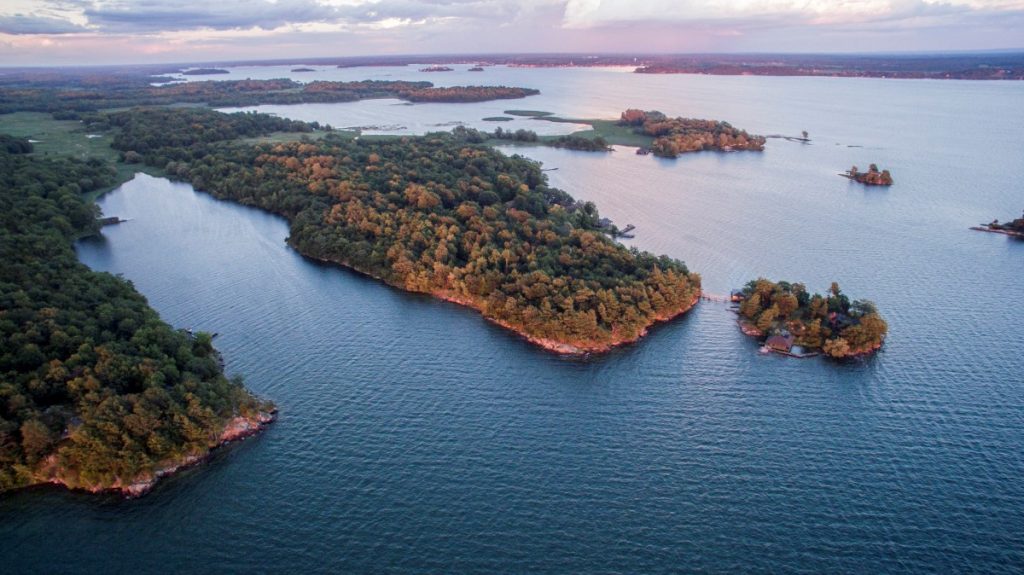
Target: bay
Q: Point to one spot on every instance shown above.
(414, 436)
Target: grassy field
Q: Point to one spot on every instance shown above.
(68, 138)
(56, 137)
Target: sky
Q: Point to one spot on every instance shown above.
(70, 32)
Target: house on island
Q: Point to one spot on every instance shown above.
(780, 343)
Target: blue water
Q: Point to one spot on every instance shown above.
(416, 437)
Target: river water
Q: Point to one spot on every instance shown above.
(414, 436)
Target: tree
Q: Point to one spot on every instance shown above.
(837, 348)
(36, 440)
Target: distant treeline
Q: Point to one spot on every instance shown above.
(68, 100)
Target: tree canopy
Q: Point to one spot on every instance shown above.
(94, 388)
(831, 323)
(437, 215)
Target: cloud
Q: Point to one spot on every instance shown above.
(18, 24)
(180, 30)
(143, 16)
(150, 16)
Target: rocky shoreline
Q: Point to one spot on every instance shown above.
(236, 429)
(565, 348)
(552, 345)
(1011, 233)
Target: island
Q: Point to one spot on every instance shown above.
(205, 72)
(467, 94)
(437, 69)
(674, 136)
(647, 131)
(793, 322)
(872, 177)
(1014, 228)
(303, 70)
(96, 392)
(475, 69)
(435, 215)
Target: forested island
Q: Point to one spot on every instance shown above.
(798, 323)
(436, 215)
(297, 70)
(205, 72)
(1013, 228)
(872, 177)
(674, 136)
(96, 392)
(436, 69)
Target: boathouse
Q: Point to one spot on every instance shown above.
(781, 343)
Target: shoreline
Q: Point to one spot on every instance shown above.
(235, 429)
(750, 330)
(552, 345)
(1010, 233)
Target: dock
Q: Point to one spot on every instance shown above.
(716, 298)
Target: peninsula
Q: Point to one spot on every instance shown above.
(434, 215)
(674, 136)
(71, 95)
(97, 392)
(872, 177)
(1014, 228)
(794, 322)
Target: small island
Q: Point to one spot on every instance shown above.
(303, 70)
(205, 72)
(793, 322)
(475, 69)
(1013, 229)
(873, 177)
(437, 69)
(674, 136)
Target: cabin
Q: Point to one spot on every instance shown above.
(782, 343)
(736, 296)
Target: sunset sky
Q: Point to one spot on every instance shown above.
(128, 31)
